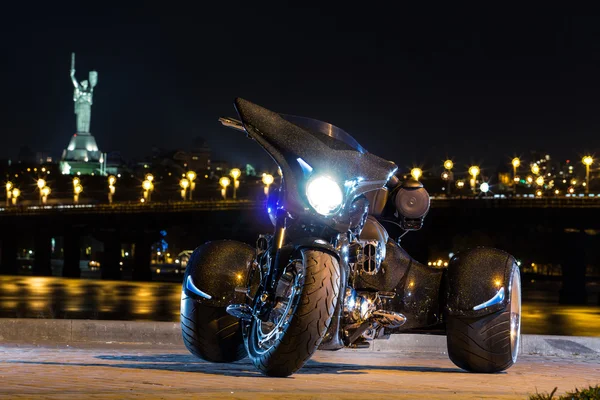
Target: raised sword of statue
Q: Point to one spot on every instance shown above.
(82, 96)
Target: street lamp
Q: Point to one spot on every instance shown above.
(539, 193)
(147, 186)
(267, 180)
(150, 177)
(447, 175)
(515, 163)
(15, 195)
(474, 171)
(76, 181)
(529, 179)
(460, 184)
(45, 191)
(224, 182)
(588, 161)
(191, 175)
(111, 188)
(416, 173)
(41, 184)
(9, 186)
(539, 181)
(184, 183)
(535, 169)
(76, 191)
(484, 187)
(235, 174)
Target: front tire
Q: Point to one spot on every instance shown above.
(489, 343)
(282, 347)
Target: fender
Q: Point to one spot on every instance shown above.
(314, 243)
(478, 282)
(215, 269)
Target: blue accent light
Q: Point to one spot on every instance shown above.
(498, 298)
(189, 284)
(307, 169)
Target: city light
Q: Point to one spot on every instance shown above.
(15, 195)
(539, 181)
(515, 163)
(529, 179)
(267, 180)
(77, 189)
(149, 177)
(148, 186)
(76, 181)
(448, 164)
(484, 187)
(539, 193)
(416, 173)
(111, 188)
(191, 175)
(235, 174)
(224, 182)
(45, 192)
(535, 169)
(474, 171)
(41, 184)
(587, 161)
(9, 186)
(460, 184)
(184, 183)
(445, 175)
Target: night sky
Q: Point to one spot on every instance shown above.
(413, 87)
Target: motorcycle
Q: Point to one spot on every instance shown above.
(332, 274)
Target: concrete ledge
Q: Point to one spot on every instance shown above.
(27, 330)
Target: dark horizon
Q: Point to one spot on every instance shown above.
(413, 88)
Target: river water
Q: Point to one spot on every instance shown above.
(53, 297)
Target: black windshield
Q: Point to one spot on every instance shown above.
(330, 135)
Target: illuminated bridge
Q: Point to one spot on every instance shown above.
(553, 230)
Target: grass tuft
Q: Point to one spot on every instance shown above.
(591, 393)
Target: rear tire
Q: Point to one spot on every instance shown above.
(311, 315)
(489, 343)
(210, 333)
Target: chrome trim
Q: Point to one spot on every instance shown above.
(189, 284)
(498, 298)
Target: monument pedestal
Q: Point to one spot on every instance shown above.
(81, 155)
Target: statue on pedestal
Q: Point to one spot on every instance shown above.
(82, 96)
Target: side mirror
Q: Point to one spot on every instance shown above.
(412, 204)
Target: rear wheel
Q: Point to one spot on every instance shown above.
(489, 343)
(306, 298)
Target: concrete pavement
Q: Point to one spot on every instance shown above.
(92, 370)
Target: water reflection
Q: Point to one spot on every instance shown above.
(53, 297)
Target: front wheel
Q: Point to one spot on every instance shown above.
(489, 343)
(306, 297)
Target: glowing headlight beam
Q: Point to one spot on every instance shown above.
(324, 195)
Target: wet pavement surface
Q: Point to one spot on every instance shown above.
(52, 297)
(129, 371)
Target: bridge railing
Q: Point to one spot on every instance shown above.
(119, 208)
(225, 205)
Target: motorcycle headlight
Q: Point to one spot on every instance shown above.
(324, 195)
